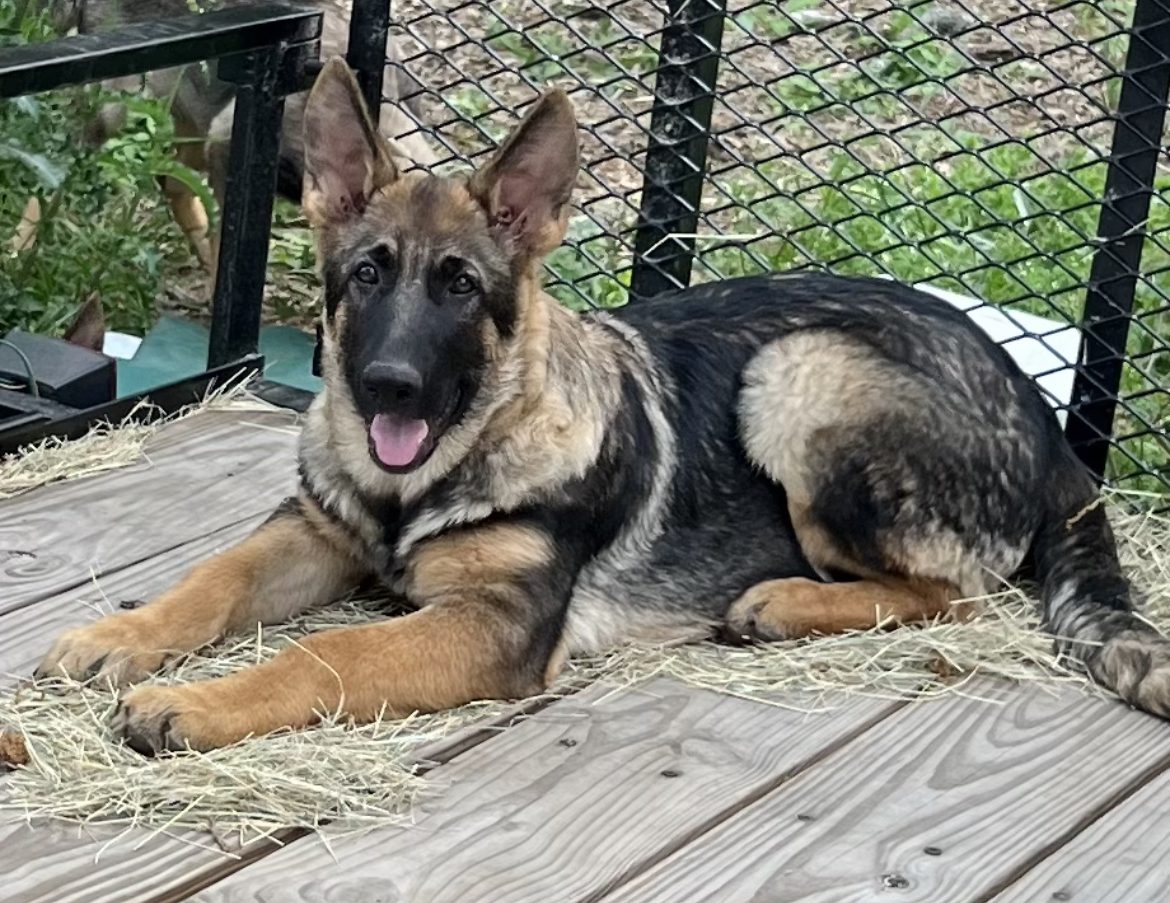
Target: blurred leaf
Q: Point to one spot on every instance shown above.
(48, 173)
(28, 105)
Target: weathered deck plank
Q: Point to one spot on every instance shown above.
(26, 633)
(53, 862)
(940, 803)
(1122, 857)
(203, 473)
(567, 803)
(666, 794)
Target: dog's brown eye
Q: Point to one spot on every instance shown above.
(462, 285)
(367, 274)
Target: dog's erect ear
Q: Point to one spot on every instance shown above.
(88, 328)
(526, 186)
(346, 160)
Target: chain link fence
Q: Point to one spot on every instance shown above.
(1008, 152)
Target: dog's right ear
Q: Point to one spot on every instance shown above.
(346, 160)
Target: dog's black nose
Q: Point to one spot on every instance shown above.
(392, 384)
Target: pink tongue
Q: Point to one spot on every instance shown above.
(397, 440)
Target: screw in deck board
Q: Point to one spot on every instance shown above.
(1121, 233)
(369, 23)
(676, 155)
(249, 194)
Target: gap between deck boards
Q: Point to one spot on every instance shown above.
(26, 632)
(744, 802)
(96, 575)
(563, 766)
(440, 754)
(194, 477)
(480, 734)
(1091, 817)
(998, 785)
(64, 611)
(477, 735)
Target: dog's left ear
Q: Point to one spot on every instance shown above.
(526, 186)
(346, 160)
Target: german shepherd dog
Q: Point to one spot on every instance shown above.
(774, 457)
(203, 106)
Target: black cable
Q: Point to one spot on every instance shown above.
(33, 389)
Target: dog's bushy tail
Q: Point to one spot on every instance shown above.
(1087, 601)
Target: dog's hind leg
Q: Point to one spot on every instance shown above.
(892, 476)
(924, 463)
(292, 562)
(797, 607)
(186, 208)
(191, 216)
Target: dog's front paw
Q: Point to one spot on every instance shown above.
(154, 719)
(202, 716)
(118, 648)
(743, 625)
(146, 720)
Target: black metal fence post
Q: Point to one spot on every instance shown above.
(369, 25)
(676, 156)
(1121, 233)
(249, 194)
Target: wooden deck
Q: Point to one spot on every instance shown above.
(659, 793)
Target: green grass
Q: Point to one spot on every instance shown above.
(998, 223)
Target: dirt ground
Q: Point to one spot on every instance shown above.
(1033, 72)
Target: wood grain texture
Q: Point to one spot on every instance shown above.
(54, 863)
(27, 633)
(564, 804)
(1122, 857)
(202, 473)
(984, 786)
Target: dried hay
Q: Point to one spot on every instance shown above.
(338, 778)
(351, 777)
(110, 446)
